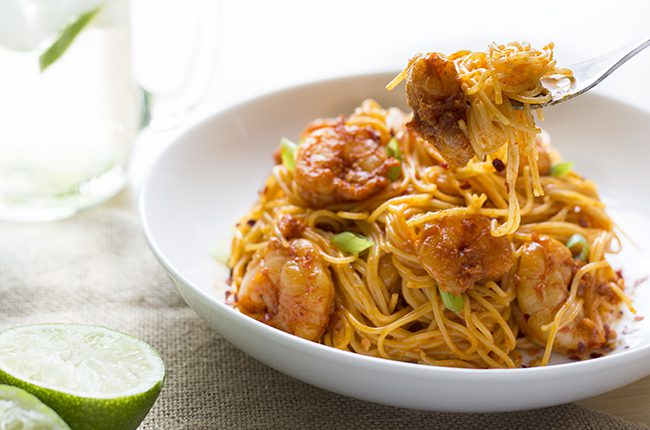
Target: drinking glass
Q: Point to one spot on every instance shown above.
(67, 127)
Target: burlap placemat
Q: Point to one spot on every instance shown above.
(96, 268)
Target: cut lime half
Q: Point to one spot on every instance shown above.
(93, 377)
(21, 410)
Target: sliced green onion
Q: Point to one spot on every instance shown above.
(560, 170)
(221, 252)
(65, 39)
(288, 153)
(394, 172)
(393, 149)
(351, 242)
(452, 302)
(580, 242)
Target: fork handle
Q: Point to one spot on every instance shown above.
(590, 71)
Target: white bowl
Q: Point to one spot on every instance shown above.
(210, 175)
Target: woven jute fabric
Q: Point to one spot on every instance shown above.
(96, 268)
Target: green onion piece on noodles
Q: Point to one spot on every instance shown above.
(560, 170)
(288, 153)
(351, 242)
(452, 302)
(392, 149)
(578, 243)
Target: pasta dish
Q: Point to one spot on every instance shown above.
(452, 236)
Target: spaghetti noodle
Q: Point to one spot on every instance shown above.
(366, 239)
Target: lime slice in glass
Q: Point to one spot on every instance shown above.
(21, 410)
(93, 377)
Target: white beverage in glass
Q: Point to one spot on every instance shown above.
(66, 132)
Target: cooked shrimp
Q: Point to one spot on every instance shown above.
(340, 163)
(290, 226)
(458, 251)
(543, 278)
(289, 288)
(434, 93)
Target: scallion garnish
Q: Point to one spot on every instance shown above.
(578, 243)
(452, 302)
(221, 252)
(351, 242)
(393, 173)
(560, 170)
(288, 153)
(392, 149)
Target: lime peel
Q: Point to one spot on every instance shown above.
(65, 39)
(19, 409)
(75, 362)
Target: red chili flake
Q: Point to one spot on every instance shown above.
(251, 222)
(465, 186)
(575, 358)
(231, 297)
(498, 165)
(583, 222)
(444, 165)
(619, 273)
(639, 318)
(526, 317)
(595, 355)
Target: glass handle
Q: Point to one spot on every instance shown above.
(175, 44)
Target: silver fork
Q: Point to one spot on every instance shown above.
(587, 74)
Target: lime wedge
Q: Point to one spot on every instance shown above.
(93, 377)
(21, 410)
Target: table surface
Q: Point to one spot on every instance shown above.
(284, 43)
